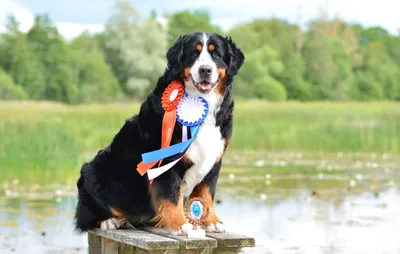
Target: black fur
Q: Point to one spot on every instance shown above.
(111, 179)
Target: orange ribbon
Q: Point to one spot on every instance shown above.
(169, 101)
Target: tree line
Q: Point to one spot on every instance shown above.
(330, 60)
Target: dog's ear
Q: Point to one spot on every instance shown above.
(236, 57)
(174, 55)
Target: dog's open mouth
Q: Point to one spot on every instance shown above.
(204, 86)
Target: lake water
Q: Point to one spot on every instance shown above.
(342, 205)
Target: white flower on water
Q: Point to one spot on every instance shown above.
(353, 183)
(359, 177)
(263, 196)
(231, 176)
(268, 176)
(268, 182)
(59, 192)
(320, 176)
(260, 163)
(8, 193)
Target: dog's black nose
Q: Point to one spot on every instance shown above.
(205, 71)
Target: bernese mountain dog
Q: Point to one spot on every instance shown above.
(111, 192)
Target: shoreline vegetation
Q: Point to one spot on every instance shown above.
(48, 139)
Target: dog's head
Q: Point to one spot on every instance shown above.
(204, 61)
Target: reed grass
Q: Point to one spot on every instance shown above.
(45, 140)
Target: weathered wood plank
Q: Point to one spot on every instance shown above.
(124, 248)
(141, 239)
(94, 242)
(231, 240)
(184, 241)
(108, 246)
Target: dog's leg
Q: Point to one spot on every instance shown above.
(167, 202)
(206, 191)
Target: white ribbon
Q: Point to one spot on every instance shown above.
(184, 133)
(153, 173)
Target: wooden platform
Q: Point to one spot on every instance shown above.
(152, 240)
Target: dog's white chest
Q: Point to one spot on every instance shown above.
(203, 152)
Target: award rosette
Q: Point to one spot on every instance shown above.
(190, 112)
(196, 211)
(169, 102)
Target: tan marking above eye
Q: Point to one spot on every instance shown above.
(211, 47)
(199, 47)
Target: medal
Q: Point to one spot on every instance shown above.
(196, 211)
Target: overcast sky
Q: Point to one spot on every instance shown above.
(74, 16)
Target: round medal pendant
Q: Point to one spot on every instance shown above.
(196, 211)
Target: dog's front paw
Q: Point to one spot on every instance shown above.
(113, 223)
(183, 230)
(213, 223)
(217, 227)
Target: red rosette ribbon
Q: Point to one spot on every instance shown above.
(169, 102)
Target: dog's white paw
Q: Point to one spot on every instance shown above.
(217, 227)
(112, 223)
(184, 230)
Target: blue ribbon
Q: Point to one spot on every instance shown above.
(171, 150)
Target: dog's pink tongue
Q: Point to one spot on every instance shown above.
(205, 85)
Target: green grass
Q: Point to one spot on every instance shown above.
(318, 126)
(43, 140)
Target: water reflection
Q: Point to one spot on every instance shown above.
(355, 224)
(361, 223)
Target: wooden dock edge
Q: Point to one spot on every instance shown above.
(155, 241)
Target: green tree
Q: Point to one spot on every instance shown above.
(393, 49)
(382, 69)
(186, 22)
(52, 52)
(366, 88)
(261, 72)
(327, 66)
(371, 34)
(135, 47)
(9, 90)
(269, 89)
(284, 38)
(20, 62)
(92, 75)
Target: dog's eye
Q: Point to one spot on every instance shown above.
(216, 54)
